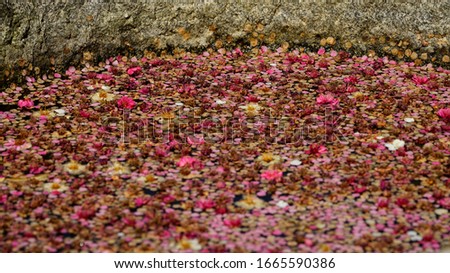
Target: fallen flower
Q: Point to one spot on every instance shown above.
(420, 80)
(382, 202)
(227, 206)
(84, 114)
(251, 98)
(74, 168)
(396, 144)
(445, 202)
(134, 70)
(126, 102)
(26, 103)
(321, 51)
(52, 187)
(102, 96)
(232, 222)
(251, 202)
(316, 149)
(18, 145)
(167, 114)
(185, 161)
(140, 201)
(444, 113)
(205, 203)
(191, 162)
(119, 169)
(42, 113)
(351, 79)
(185, 244)
(327, 99)
(192, 140)
(268, 159)
(272, 175)
(252, 109)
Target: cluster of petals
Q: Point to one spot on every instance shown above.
(327, 99)
(126, 102)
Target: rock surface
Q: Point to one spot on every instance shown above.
(35, 37)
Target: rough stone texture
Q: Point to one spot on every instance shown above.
(54, 34)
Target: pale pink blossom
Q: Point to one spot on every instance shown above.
(105, 77)
(192, 140)
(26, 103)
(238, 52)
(185, 161)
(191, 162)
(321, 51)
(444, 113)
(264, 49)
(18, 145)
(70, 71)
(272, 175)
(134, 70)
(30, 79)
(327, 99)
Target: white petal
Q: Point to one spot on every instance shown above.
(282, 204)
(409, 120)
(390, 147)
(398, 143)
(296, 162)
(195, 245)
(60, 112)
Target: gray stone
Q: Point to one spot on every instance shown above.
(55, 34)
